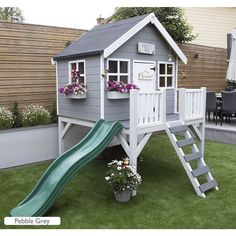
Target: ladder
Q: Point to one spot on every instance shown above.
(180, 128)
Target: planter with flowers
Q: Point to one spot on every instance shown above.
(123, 178)
(119, 90)
(75, 89)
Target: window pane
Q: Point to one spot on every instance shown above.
(169, 69)
(113, 67)
(162, 69)
(81, 79)
(123, 67)
(112, 78)
(73, 66)
(81, 67)
(169, 81)
(162, 81)
(124, 78)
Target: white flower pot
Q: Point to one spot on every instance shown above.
(77, 96)
(117, 95)
(123, 196)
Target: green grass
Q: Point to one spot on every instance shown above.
(166, 199)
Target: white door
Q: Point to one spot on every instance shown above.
(144, 75)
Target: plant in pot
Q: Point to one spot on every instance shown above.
(123, 178)
(75, 89)
(119, 89)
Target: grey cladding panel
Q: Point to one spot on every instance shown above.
(89, 108)
(129, 51)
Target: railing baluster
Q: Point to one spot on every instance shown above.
(150, 108)
(191, 103)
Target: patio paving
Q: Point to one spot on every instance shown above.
(225, 133)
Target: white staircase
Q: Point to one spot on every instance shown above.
(179, 128)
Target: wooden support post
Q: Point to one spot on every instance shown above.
(133, 127)
(202, 125)
(163, 106)
(182, 103)
(60, 139)
(133, 134)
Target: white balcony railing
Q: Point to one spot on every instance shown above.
(192, 104)
(147, 109)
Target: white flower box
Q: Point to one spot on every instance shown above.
(77, 96)
(117, 95)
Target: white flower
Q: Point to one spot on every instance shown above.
(119, 163)
(119, 168)
(107, 178)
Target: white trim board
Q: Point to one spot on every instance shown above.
(151, 18)
(102, 88)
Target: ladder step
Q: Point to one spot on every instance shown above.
(179, 128)
(185, 142)
(192, 156)
(200, 171)
(208, 185)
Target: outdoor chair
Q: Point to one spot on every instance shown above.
(228, 105)
(212, 106)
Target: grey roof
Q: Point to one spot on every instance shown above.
(99, 38)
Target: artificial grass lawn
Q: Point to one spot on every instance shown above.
(166, 199)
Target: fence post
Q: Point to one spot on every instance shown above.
(182, 103)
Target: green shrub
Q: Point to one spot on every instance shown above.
(16, 115)
(54, 112)
(6, 118)
(35, 115)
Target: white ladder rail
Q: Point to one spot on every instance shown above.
(186, 165)
(201, 161)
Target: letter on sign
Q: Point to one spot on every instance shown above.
(146, 48)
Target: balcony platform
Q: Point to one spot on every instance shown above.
(169, 118)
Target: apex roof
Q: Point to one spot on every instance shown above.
(109, 37)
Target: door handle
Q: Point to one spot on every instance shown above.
(153, 68)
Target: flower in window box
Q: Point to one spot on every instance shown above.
(120, 86)
(73, 88)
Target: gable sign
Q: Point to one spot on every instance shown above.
(146, 48)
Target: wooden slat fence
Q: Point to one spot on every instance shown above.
(26, 73)
(206, 70)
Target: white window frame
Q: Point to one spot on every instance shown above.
(166, 75)
(77, 68)
(118, 74)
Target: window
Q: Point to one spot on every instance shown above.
(166, 75)
(79, 66)
(118, 70)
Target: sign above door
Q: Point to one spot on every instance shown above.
(146, 48)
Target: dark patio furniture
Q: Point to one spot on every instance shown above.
(228, 105)
(212, 105)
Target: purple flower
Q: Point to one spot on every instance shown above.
(120, 86)
(61, 90)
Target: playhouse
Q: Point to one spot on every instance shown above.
(140, 51)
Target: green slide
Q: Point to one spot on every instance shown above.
(38, 202)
